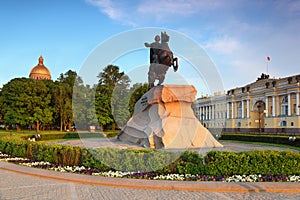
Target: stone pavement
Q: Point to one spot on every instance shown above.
(114, 143)
(19, 182)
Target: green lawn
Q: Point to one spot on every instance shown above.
(264, 144)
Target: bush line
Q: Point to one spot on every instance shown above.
(215, 163)
(274, 139)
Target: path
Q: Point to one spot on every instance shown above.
(228, 146)
(19, 182)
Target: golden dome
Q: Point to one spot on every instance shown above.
(40, 71)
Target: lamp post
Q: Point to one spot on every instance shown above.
(261, 112)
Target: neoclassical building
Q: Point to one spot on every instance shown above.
(40, 71)
(269, 105)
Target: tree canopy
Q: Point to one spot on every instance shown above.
(45, 104)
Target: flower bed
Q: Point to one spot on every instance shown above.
(148, 175)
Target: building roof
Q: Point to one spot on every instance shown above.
(40, 71)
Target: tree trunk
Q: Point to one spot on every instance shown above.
(37, 126)
(61, 124)
(70, 126)
(19, 128)
(101, 127)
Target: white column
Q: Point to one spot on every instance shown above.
(227, 110)
(267, 106)
(243, 109)
(289, 104)
(297, 103)
(200, 113)
(248, 108)
(213, 112)
(232, 110)
(273, 106)
(209, 112)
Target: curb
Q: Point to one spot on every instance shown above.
(258, 187)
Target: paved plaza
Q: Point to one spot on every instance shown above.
(105, 142)
(19, 182)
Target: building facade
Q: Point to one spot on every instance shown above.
(269, 105)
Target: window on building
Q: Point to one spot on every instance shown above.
(240, 110)
(285, 99)
(284, 105)
(286, 110)
(283, 123)
(292, 123)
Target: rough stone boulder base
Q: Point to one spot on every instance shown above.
(163, 118)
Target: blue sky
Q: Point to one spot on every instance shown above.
(237, 35)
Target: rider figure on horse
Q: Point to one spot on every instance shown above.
(161, 58)
(154, 49)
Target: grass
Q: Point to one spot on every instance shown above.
(264, 144)
(113, 133)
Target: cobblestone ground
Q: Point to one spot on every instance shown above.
(17, 186)
(228, 146)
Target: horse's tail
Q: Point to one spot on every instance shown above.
(175, 64)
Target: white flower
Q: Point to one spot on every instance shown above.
(294, 178)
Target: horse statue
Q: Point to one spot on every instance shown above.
(161, 58)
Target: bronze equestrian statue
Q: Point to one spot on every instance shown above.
(161, 58)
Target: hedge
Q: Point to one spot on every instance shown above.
(252, 162)
(275, 139)
(188, 162)
(58, 154)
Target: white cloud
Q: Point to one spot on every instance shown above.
(107, 7)
(225, 45)
(140, 11)
(163, 8)
(114, 10)
(288, 7)
(237, 35)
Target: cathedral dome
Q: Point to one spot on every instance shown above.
(40, 71)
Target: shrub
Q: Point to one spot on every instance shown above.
(63, 135)
(252, 162)
(215, 163)
(275, 139)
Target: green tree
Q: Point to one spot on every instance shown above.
(63, 98)
(1, 108)
(27, 102)
(83, 106)
(120, 101)
(136, 91)
(105, 106)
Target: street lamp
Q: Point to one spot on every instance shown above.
(261, 112)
